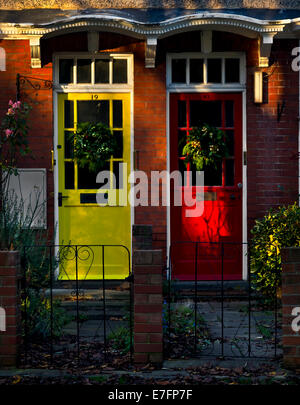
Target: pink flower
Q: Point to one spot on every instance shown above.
(8, 132)
(10, 102)
(16, 104)
(10, 111)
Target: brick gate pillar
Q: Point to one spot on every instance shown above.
(291, 306)
(148, 299)
(10, 314)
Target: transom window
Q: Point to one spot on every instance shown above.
(215, 69)
(84, 70)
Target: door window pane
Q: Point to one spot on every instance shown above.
(106, 182)
(181, 113)
(232, 70)
(213, 176)
(69, 175)
(214, 70)
(83, 71)
(118, 175)
(120, 71)
(69, 113)
(117, 114)
(181, 141)
(229, 113)
(119, 138)
(229, 172)
(178, 70)
(69, 145)
(196, 71)
(93, 111)
(230, 142)
(66, 71)
(205, 112)
(101, 70)
(87, 179)
(182, 168)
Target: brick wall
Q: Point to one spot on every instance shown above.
(290, 300)
(141, 237)
(10, 302)
(272, 144)
(148, 338)
(272, 166)
(40, 120)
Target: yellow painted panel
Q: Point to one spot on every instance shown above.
(91, 224)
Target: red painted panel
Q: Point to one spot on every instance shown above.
(218, 231)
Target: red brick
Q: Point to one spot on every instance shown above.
(155, 299)
(156, 338)
(141, 358)
(8, 361)
(146, 328)
(147, 308)
(141, 318)
(8, 291)
(291, 340)
(148, 289)
(141, 299)
(141, 338)
(9, 259)
(147, 269)
(148, 347)
(291, 299)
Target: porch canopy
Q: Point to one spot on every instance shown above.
(151, 24)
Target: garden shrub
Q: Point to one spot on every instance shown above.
(278, 229)
(120, 339)
(17, 231)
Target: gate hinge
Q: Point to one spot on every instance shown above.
(245, 158)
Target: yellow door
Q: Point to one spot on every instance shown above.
(83, 221)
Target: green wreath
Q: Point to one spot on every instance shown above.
(94, 144)
(206, 146)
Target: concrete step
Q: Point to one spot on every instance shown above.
(69, 294)
(91, 284)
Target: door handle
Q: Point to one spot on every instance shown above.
(60, 198)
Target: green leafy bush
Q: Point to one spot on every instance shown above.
(38, 316)
(279, 228)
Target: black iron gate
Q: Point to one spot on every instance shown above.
(68, 320)
(219, 318)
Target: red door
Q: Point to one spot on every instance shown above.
(218, 231)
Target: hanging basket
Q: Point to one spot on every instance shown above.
(94, 144)
(206, 147)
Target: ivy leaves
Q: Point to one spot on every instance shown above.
(206, 147)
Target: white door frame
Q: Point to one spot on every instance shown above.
(219, 88)
(95, 88)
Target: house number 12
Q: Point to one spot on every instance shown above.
(94, 96)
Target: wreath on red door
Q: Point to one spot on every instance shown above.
(205, 147)
(94, 144)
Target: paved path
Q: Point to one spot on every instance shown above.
(239, 325)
